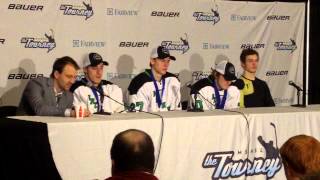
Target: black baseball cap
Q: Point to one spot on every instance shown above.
(161, 53)
(93, 59)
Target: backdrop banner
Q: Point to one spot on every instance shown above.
(34, 33)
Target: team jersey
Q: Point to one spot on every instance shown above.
(91, 97)
(203, 95)
(142, 93)
(255, 93)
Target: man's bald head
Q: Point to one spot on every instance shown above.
(132, 150)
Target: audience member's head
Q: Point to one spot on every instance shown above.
(301, 158)
(132, 150)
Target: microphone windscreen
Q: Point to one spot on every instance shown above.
(291, 83)
(189, 85)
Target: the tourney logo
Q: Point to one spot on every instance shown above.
(197, 75)
(212, 16)
(78, 10)
(286, 46)
(225, 166)
(47, 42)
(182, 45)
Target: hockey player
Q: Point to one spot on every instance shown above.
(155, 89)
(215, 91)
(91, 91)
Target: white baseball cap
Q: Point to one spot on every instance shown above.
(226, 69)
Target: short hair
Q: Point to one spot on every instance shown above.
(247, 52)
(301, 154)
(150, 65)
(60, 63)
(133, 150)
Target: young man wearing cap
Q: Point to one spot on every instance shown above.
(256, 92)
(215, 91)
(155, 89)
(91, 91)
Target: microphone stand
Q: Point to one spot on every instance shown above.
(195, 108)
(298, 100)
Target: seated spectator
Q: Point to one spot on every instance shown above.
(132, 155)
(301, 158)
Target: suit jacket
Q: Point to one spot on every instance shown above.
(39, 98)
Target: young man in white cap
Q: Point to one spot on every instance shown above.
(92, 91)
(215, 91)
(155, 89)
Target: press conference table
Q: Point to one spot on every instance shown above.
(193, 146)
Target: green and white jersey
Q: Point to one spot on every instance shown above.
(142, 93)
(203, 95)
(85, 96)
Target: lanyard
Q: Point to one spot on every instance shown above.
(99, 102)
(219, 103)
(158, 97)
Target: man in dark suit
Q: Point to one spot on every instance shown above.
(132, 155)
(50, 96)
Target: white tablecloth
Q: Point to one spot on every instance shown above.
(194, 145)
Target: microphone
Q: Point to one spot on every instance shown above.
(238, 83)
(291, 83)
(195, 108)
(122, 104)
(197, 92)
